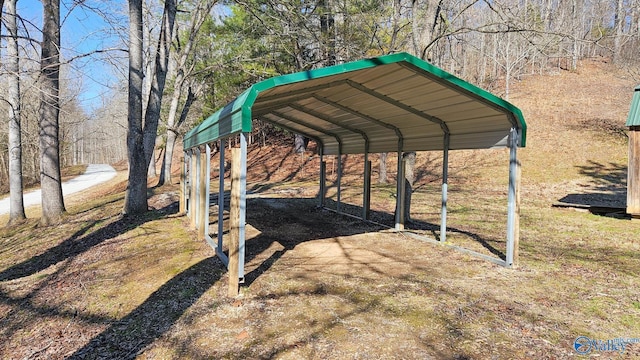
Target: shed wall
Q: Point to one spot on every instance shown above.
(633, 179)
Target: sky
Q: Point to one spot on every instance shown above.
(84, 32)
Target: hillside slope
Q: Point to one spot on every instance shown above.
(577, 141)
(322, 286)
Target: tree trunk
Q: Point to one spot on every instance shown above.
(141, 139)
(199, 16)
(618, 23)
(4, 168)
(300, 143)
(425, 17)
(328, 43)
(16, 201)
(409, 177)
(382, 172)
(576, 35)
(152, 113)
(507, 66)
(172, 135)
(148, 29)
(165, 169)
(136, 194)
(151, 171)
(50, 179)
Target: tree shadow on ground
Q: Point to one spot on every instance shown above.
(289, 222)
(82, 241)
(606, 192)
(416, 225)
(607, 177)
(285, 223)
(129, 336)
(292, 221)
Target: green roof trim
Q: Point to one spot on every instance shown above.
(236, 116)
(634, 112)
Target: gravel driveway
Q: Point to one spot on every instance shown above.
(95, 174)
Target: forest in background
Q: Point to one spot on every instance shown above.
(218, 48)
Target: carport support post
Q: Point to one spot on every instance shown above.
(339, 180)
(366, 191)
(237, 215)
(181, 205)
(203, 196)
(197, 195)
(445, 181)
(192, 168)
(400, 192)
(234, 221)
(187, 186)
(323, 182)
(221, 197)
(243, 202)
(513, 228)
(193, 195)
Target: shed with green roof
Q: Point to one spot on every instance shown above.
(633, 174)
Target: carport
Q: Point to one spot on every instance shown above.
(393, 103)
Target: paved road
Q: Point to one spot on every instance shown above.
(95, 174)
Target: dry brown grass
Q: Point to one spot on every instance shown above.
(324, 286)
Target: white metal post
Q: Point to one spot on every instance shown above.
(511, 208)
(339, 179)
(323, 179)
(196, 204)
(445, 181)
(183, 184)
(187, 164)
(400, 190)
(366, 191)
(207, 191)
(243, 203)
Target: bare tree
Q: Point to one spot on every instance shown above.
(102, 138)
(141, 136)
(382, 170)
(50, 179)
(184, 67)
(149, 23)
(136, 195)
(618, 24)
(16, 207)
(426, 14)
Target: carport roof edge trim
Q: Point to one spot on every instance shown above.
(236, 116)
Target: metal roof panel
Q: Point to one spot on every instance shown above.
(394, 95)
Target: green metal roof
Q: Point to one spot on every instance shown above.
(634, 113)
(368, 105)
